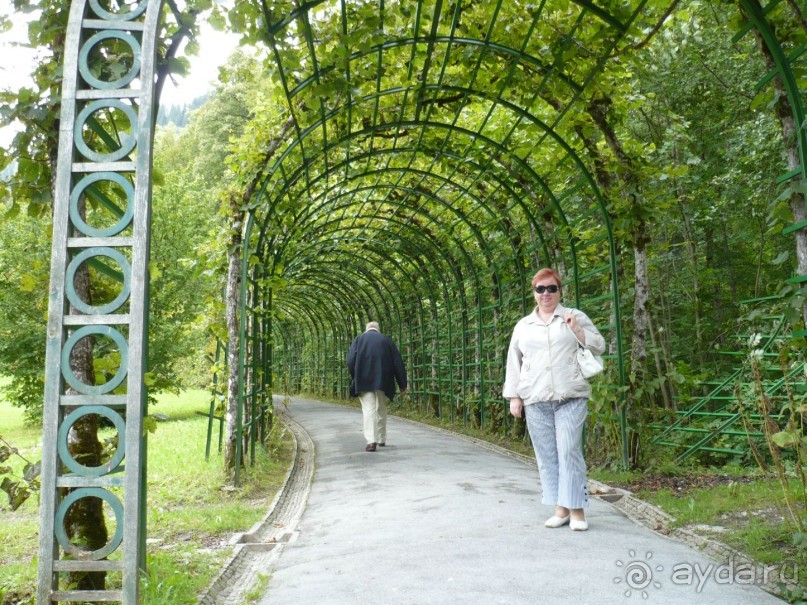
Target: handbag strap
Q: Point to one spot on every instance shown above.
(579, 342)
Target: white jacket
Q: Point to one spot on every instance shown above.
(542, 361)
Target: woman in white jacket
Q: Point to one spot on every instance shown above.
(543, 381)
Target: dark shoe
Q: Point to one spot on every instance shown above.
(370, 447)
(382, 444)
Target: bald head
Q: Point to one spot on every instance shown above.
(373, 325)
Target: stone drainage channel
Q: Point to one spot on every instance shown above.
(257, 550)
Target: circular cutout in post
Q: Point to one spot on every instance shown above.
(64, 430)
(70, 287)
(96, 55)
(61, 512)
(84, 187)
(126, 140)
(67, 372)
(128, 13)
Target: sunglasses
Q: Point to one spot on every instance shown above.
(542, 289)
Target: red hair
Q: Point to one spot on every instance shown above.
(544, 273)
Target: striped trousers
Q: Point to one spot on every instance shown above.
(556, 431)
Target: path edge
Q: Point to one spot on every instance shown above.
(264, 540)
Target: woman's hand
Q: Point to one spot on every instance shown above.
(516, 406)
(571, 321)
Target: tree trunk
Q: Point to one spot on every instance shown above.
(233, 291)
(790, 137)
(692, 255)
(605, 184)
(599, 110)
(730, 261)
(664, 386)
(84, 523)
(642, 295)
(235, 249)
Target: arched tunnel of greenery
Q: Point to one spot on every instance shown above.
(432, 157)
(432, 169)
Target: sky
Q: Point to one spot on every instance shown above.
(16, 62)
(215, 49)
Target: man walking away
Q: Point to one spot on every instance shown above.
(375, 365)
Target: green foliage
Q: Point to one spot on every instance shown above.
(17, 488)
(781, 407)
(179, 116)
(24, 270)
(711, 152)
(25, 195)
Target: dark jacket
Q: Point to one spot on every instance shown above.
(375, 364)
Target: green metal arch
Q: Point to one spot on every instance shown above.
(479, 310)
(266, 222)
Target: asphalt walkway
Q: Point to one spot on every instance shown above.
(437, 519)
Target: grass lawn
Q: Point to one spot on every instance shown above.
(190, 516)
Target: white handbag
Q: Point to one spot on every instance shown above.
(590, 364)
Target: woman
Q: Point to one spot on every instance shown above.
(544, 381)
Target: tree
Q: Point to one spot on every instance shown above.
(791, 28)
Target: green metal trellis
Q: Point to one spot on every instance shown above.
(103, 160)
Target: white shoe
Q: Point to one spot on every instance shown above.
(576, 525)
(555, 521)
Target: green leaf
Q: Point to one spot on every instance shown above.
(217, 20)
(781, 258)
(154, 271)
(17, 493)
(28, 283)
(785, 439)
(149, 425)
(19, 496)
(12, 212)
(32, 471)
(179, 67)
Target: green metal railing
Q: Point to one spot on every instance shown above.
(721, 413)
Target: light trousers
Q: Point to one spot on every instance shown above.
(374, 410)
(556, 431)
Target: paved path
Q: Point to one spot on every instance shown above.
(436, 519)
